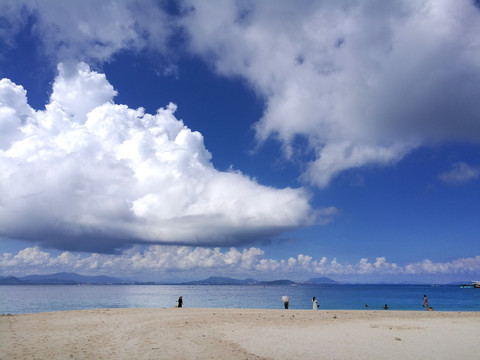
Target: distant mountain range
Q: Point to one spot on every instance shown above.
(68, 278)
(65, 278)
(59, 279)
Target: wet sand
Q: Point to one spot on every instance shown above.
(240, 334)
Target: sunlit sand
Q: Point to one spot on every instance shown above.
(240, 334)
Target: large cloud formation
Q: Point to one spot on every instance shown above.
(364, 82)
(88, 174)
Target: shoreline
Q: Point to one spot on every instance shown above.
(372, 309)
(219, 333)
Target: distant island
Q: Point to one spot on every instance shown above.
(321, 280)
(214, 280)
(65, 278)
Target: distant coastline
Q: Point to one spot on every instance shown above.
(65, 278)
(68, 278)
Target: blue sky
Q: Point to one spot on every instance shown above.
(330, 138)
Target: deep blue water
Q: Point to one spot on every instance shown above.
(18, 299)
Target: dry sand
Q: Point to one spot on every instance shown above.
(240, 334)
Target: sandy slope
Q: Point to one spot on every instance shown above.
(240, 334)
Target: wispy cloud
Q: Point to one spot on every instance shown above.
(461, 173)
(88, 30)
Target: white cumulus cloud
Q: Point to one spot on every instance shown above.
(89, 174)
(188, 262)
(365, 82)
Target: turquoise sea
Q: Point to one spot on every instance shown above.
(18, 299)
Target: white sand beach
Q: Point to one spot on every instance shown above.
(240, 334)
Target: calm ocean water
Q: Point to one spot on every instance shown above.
(41, 298)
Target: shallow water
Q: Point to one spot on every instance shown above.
(18, 299)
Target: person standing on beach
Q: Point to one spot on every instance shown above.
(285, 300)
(425, 302)
(315, 303)
(180, 302)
